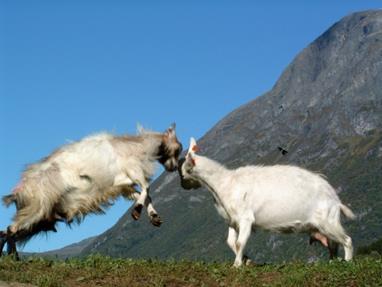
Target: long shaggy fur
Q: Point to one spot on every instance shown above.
(84, 177)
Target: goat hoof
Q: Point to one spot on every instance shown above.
(136, 213)
(247, 261)
(155, 220)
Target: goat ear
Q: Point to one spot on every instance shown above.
(171, 130)
(190, 158)
(193, 148)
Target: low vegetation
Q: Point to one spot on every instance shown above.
(97, 270)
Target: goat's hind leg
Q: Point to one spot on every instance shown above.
(326, 242)
(12, 250)
(11, 244)
(336, 233)
(9, 239)
(333, 249)
(3, 240)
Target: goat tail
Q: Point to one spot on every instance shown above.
(347, 212)
(9, 199)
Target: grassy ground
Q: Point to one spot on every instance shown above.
(104, 271)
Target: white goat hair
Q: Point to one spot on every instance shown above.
(278, 198)
(85, 177)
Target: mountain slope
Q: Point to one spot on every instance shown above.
(326, 110)
(65, 252)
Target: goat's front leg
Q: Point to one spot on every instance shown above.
(152, 213)
(231, 241)
(245, 227)
(232, 238)
(137, 210)
(123, 184)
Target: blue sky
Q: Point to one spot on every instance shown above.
(72, 68)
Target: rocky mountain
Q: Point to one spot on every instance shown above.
(325, 110)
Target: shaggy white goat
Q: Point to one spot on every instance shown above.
(85, 177)
(278, 198)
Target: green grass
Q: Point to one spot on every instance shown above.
(99, 270)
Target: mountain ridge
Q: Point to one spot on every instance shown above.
(325, 110)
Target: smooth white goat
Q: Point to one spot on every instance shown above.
(278, 198)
